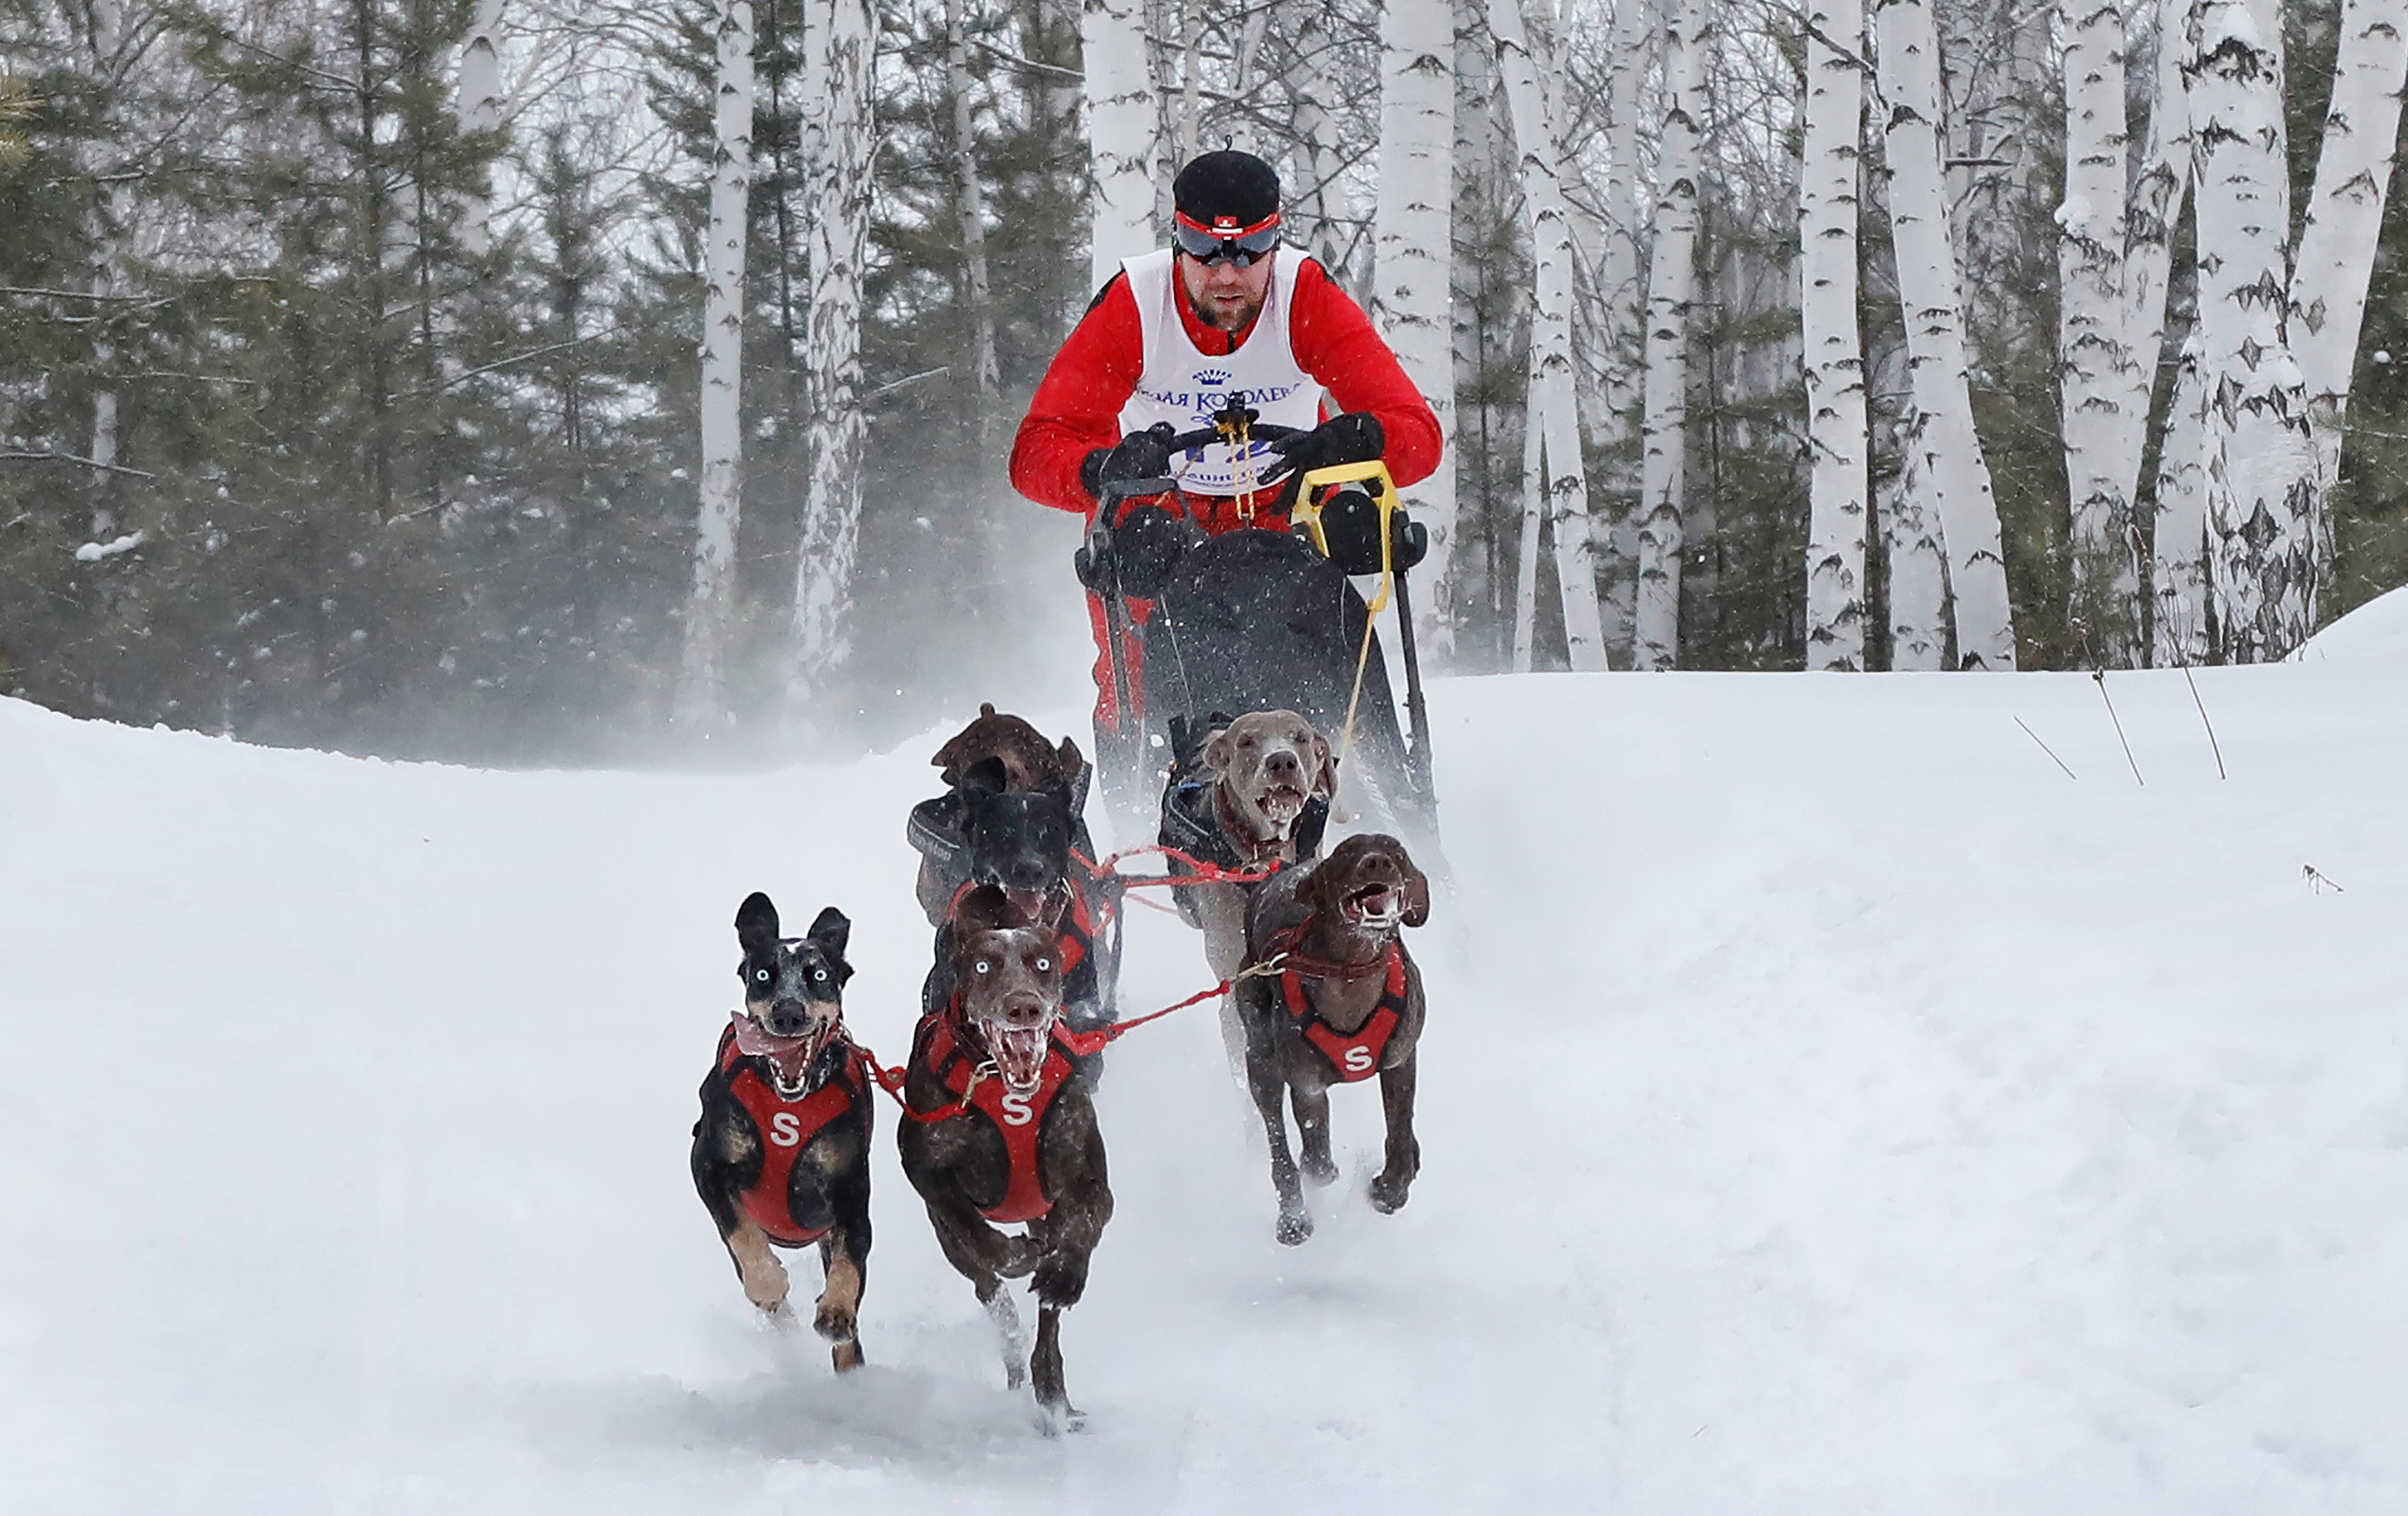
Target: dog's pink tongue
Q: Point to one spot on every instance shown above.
(789, 1055)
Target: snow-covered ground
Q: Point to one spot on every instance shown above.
(1829, 1105)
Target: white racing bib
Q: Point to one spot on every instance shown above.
(1184, 387)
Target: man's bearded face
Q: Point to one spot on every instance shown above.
(1227, 295)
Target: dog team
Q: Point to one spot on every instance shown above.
(997, 1126)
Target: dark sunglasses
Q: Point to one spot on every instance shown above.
(1209, 249)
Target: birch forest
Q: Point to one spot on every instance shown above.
(526, 380)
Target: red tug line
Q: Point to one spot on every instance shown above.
(1085, 1043)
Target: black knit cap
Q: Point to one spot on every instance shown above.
(1227, 184)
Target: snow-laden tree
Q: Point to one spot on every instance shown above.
(2261, 501)
(1953, 467)
(1124, 140)
(1672, 286)
(711, 606)
(2097, 361)
(1555, 406)
(1828, 205)
(2339, 243)
(839, 138)
(1412, 296)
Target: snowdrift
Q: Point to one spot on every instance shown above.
(1828, 1104)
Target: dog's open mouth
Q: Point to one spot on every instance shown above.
(1018, 1051)
(1281, 803)
(1375, 907)
(789, 1057)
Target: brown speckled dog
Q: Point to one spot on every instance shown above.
(1346, 1005)
(1008, 1134)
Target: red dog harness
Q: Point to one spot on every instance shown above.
(786, 1128)
(1018, 1119)
(1355, 1055)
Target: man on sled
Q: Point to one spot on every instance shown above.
(1227, 326)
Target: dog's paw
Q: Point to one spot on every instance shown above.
(1053, 1421)
(834, 1323)
(1017, 1256)
(1318, 1167)
(764, 1283)
(847, 1356)
(1388, 1194)
(1294, 1227)
(1060, 1281)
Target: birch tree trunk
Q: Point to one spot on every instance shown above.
(2178, 576)
(1672, 286)
(112, 214)
(1554, 403)
(1621, 293)
(1828, 205)
(2262, 513)
(971, 202)
(2096, 362)
(1526, 563)
(2150, 216)
(1122, 142)
(710, 609)
(837, 142)
(2344, 218)
(1957, 476)
(1316, 195)
(1918, 571)
(481, 110)
(1413, 295)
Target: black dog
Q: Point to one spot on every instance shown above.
(781, 1152)
(1003, 1131)
(1021, 842)
(1347, 1004)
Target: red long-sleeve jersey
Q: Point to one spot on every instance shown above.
(1077, 406)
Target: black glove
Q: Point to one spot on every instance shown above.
(1140, 455)
(1355, 438)
(1147, 545)
(1350, 523)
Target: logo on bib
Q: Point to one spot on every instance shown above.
(785, 1129)
(1212, 375)
(1016, 1109)
(1358, 1059)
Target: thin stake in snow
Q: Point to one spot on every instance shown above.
(2047, 749)
(2213, 746)
(2099, 675)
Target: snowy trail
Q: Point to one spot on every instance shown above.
(1826, 1105)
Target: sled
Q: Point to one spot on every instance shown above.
(1261, 620)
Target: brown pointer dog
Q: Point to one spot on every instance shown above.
(1031, 764)
(1349, 1005)
(782, 1154)
(1013, 1138)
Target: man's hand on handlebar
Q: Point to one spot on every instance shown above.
(1355, 438)
(1140, 455)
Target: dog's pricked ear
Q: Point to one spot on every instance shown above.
(986, 708)
(830, 930)
(1068, 759)
(987, 777)
(756, 923)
